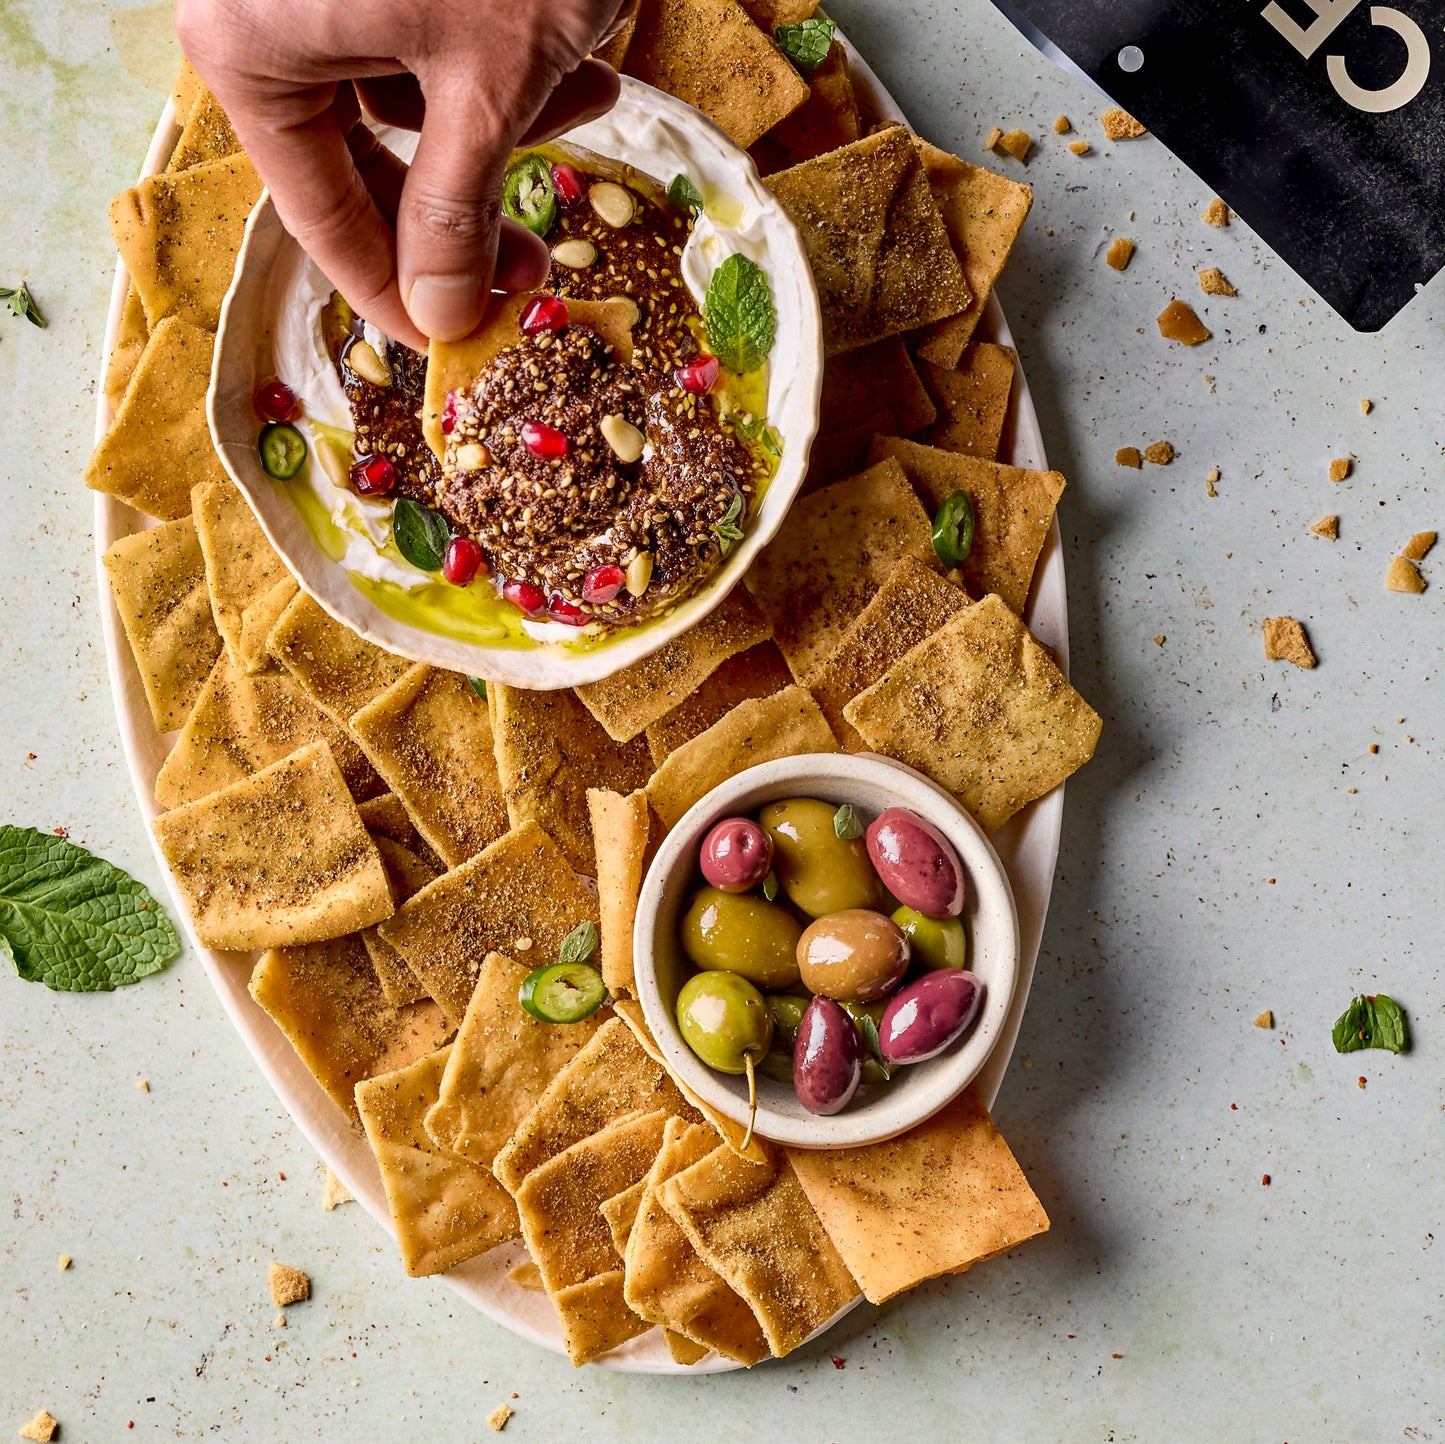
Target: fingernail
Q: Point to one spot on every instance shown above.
(445, 308)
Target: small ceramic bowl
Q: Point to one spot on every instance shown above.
(660, 137)
(917, 1091)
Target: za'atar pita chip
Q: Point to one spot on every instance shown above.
(823, 122)
(769, 14)
(752, 1224)
(158, 579)
(667, 1282)
(1013, 507)
(159, 445)
(620, 1212)
(339, 671)
(982, 709)
(179, 234)
(279, 859)
(621, 827)
(550, 749)
(241, 565)
(125, 351)
(912, 604)
(631, 700)
(611, 1077)
(455, 365)
(520, 889)
(407, 872)
(984, 214)
(206, 135)
(834, 550)
(443, 1209)
(943, 1196)
(384, 816)
(501, 1063)
(243, 722)
(325, 998)
(594, 1317)
(880, 253)
(260, 617)
(710, 54)
(430, 737)
(786, 724)
(758, 672)
(972, 400)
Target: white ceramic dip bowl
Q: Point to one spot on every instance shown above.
(335, 543)
(917, 1091)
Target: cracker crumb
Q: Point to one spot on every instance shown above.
(1285, 641)
(1418, 547)
(333, 1192)
(1360, 1081)
(288, 1285)
(42, 1427)
(1120, 253)
(994, 136)
(1161, 453)
(1366, 405)
(499, 1416)
(1209, 482)
(1061, 125)
(1264, 1180)
(142, 1085)
(1340, 468)
(1327, 527)
(1120, 125)
(1403, 577)
(1213, 283)
(1079, 147)
(1177, 322)
(1129, 456)
(1017, 143)
(1374, 748)
(1216, 213)
(279, 1322)
(63, 1262)
(1159, 640)
(1265, 1019)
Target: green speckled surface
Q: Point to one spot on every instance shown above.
(1214, 863)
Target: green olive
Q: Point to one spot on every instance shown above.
(787, 1010)
(778, 1065)
(937, 942)
(819, 871)
(724, 1020)
(742, 933)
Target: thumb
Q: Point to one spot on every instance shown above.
(451, 237)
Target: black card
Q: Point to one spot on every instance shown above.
(1321, 122)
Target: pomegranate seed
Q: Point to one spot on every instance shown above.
(699, 375)
(462, 561)
(563, 611)
(531, 599)
(601, 584)
(275, 401)
(543, 313)
(543, 440)
(568, 182)
(374, 476)
(449, 413)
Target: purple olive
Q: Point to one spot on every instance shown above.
(917, 863)
(827, 1058)
(922, 1019)
(736, 855)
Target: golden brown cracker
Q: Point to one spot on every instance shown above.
(758, 672)
(278, 859)
(1327, 527)
(1402, 576)
(125, 351)
(621, 827)
(1213, 283)
(1418, 547)
(206, 134)
(982, 709)
(880, 251)
(407, 872)
(1120, 125)
(972, 400)
(1120, 253)
(1285, 641)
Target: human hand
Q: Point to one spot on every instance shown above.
(416, 250)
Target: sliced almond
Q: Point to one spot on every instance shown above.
(472, 456)
(639, 573)
(576, 254)
(623, 437)
(362, 358)
(615, 204)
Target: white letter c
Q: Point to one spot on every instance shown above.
(1412, 79)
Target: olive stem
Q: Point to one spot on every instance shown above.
(752, 1099)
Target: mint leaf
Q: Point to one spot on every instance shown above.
(421, 534)
(807, 45)
(682, 194)
(738, 312)
(727, 531)
(22, 303)
(73, 921)
(846, 822)
(579, 944)
(1375, 1021)
(749, 430)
